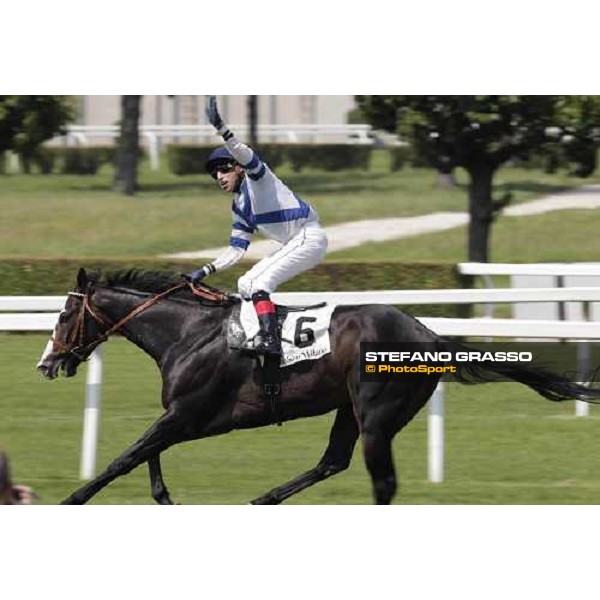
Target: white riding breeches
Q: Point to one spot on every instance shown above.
(305, 250)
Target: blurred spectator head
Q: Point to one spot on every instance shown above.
(5, 482)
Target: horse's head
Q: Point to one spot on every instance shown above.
(82, 326)
(74, 333)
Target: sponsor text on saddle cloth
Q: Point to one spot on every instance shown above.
(304, 332)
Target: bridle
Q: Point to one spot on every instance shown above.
(75, 343)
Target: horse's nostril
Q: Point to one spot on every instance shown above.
(48, 371)
(44, 370)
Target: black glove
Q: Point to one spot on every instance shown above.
(199, 275)
(212, 113)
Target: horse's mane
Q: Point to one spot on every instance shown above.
(141, 280)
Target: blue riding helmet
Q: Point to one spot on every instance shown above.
(218, 156)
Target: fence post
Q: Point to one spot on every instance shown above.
(91, 415)
(584, 359)
(153, 150)
(435, 435)
(13, 163)
(584, 362)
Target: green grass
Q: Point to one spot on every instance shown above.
(560, 236)
(81, 216)
(505, 444)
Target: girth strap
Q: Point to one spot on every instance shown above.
(271, 384)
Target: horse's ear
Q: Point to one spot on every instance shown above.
(82, 278)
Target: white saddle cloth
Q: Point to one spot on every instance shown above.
(304, 336)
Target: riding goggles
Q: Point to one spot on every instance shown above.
(224, 168)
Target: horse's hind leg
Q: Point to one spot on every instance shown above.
(159, 490)
(336, 458)
(377, 448)
(165, 432)
(384, 412)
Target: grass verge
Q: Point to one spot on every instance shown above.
(80, 216)
(505, 444)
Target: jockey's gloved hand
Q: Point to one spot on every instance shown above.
(212, 112)
(199, 274)
(214, 118)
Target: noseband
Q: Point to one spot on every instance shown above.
(82, 352)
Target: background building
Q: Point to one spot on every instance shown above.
(189, 110)
(181, 119)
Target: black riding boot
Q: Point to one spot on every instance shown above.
(266, 340)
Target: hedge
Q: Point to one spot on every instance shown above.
(77, 160)
(35, 276)
(329, 157)
(190, 159)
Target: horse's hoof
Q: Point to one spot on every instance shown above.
(71, 500)
(265, 500)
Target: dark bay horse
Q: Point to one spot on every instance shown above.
(209, 389)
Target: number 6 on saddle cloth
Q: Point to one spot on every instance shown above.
(304, 331)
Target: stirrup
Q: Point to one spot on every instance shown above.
(267, 345)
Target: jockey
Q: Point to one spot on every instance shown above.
(261, 202)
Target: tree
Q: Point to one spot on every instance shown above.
(253, 120)
(28, 121)
(126, 170)
(578, 131)
(480, 134)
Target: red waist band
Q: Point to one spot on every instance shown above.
(264, 307)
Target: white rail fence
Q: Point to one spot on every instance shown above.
(156, 135)
(25, 313)
(538, 275)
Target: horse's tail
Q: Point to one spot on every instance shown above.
(550, 385)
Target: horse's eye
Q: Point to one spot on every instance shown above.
(62, 319)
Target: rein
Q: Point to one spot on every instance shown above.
(82, 352)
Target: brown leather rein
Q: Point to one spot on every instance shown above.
(82, 352)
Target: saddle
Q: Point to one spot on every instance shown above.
(237, 338)
(270, 367)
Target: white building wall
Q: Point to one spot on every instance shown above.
(162, 110)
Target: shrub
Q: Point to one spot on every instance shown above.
(81, 161)
(399, 156)
(329, 157)
(188, 159)
(273, 154)
(44, 161)
(78, 160)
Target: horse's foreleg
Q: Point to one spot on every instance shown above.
(159, 490)
(338, 454)
(165, 432)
